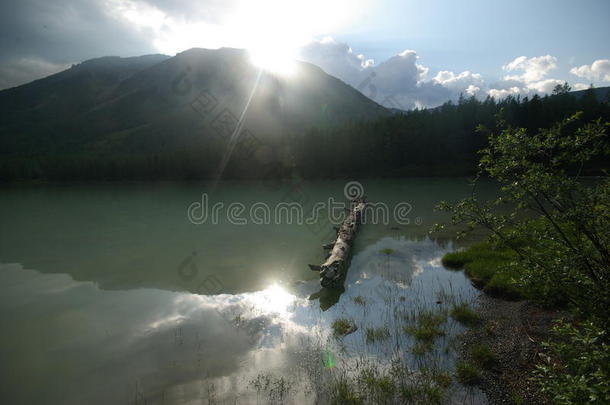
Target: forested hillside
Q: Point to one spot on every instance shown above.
(440, 142)
(158, 117)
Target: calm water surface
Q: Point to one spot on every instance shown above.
(109, 294)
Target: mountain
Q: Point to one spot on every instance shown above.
(601, 93)
(163, 111)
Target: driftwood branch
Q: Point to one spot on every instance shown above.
(334, 269)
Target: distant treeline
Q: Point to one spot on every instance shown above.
(437, 142)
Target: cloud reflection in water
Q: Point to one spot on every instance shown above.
(172, 347)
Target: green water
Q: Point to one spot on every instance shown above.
(110, 294)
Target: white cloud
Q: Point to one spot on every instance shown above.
(501, 93)
(580, 86)
(472, 90)
(531, 80)
(544, 86)
(402, 81)
(598, 70)
(337, 59)
(534, 69)
(401, 73)
(465, 82)
(399, 82)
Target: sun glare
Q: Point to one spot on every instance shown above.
(274, 299)
(273, 31)
(273, 60)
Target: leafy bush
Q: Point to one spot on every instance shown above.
(576, 365)
(555, 225)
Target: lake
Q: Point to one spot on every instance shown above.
(187, 293)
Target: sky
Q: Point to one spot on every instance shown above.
(403, 54)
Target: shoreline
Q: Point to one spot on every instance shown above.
(513, 331)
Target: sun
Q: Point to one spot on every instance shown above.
(270, 33)
(274, 31)
(281, 62)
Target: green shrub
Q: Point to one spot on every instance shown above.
(575, 367)
(557, 227)
(549, 226)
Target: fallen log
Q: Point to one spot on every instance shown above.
(334, 269)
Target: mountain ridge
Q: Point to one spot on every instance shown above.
(130, 88)
(157, 105)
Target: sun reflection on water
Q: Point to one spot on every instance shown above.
(274, 299)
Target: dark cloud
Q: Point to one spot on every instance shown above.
(40, 37)
(63, 31)
(36, 35)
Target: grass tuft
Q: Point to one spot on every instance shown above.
(377, 334)
(483, 356)
(467, 374)
(421, 348)
(465, 315)
(428, 327)
(343, 326)
(387, 251)
(344, 394)
(488, 268)
(442, 379)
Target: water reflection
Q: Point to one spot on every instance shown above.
(129, 236)
(70, 342)
(327, 296)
